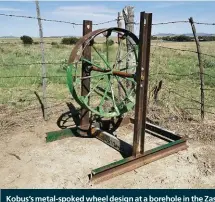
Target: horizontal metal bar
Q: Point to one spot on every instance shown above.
(160, 131)
(131, 163)
(116, 73)
(123, 147)
(119, 145)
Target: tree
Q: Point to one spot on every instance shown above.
(69, 40)
(26, 39)
(180, 38)
(110, 42)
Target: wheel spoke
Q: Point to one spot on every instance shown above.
(120, 83)
(124, 56)
(113, 99)
(93, 64)
(105, 94)
(107, 64)
(94, 87)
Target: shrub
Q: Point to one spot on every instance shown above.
(180, 38)
(26, 39)
(69, 40)
(154, 37)
(36, 42)
(110, 42)
(54, 43)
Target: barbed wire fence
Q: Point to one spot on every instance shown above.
(168, 86)
(43, 80)
(193, 76)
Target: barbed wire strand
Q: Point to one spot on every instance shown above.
(52, 20)
(191, 99)
(177, 49)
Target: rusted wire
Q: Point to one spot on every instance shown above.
(173, 74)
(50, 20)
(191, 51)
(165, 23)
(22, 76)
(35, 63)
(204, 23)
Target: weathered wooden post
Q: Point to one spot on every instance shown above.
(201, 68)
(128, 14)
(44, 78)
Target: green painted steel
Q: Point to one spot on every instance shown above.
(70, 83)
(106, 95)
(103, 168)
(125, 160)
(57, 135)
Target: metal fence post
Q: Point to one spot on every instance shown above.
(85, 86)
(142, 73)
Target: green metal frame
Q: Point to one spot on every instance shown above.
(83, 101)
(126, 160)
(128, 101)
(176, 143)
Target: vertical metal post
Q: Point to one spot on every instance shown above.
(146, 59)
(142, 81)
(44, 79)
(85, 84)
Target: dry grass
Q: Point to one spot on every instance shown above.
(174, 106)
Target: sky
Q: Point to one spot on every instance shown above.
(100, 11)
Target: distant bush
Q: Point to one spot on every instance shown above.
(206, 38)
(36, 42)
(154, 37)
(26, 39)
(69, 40)
(54, 43)
(180, 38)
(110, 42)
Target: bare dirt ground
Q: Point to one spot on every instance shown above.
(27, 161)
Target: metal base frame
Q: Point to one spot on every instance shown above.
(130, 162)
(134, 155)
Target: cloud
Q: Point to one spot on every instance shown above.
(91, 11)
(168, 4)
(9, 9)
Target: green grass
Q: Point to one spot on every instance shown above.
(176, 64)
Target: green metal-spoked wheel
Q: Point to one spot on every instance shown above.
(111, 71)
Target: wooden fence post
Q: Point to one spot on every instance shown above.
(201, 68)
(128, 14)
(44, 78)
(120, 25)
